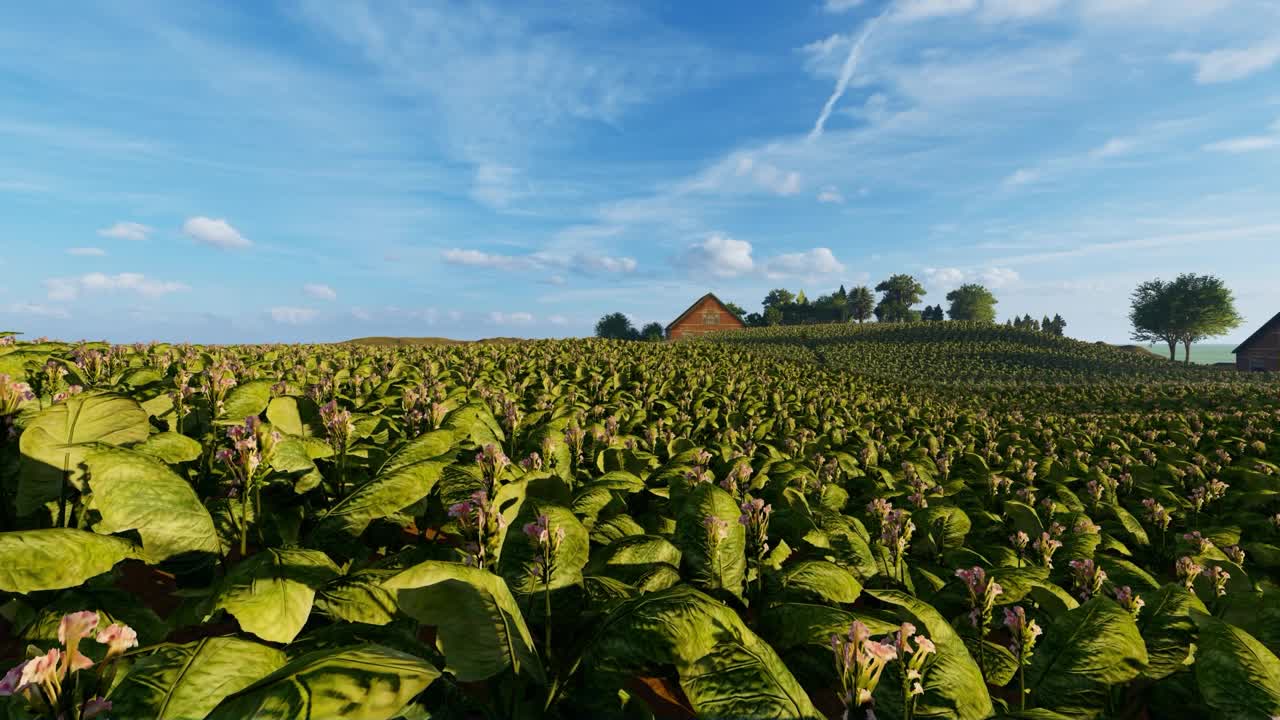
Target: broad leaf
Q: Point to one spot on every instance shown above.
(820, 579)
(1082, 655)
(271, 593)
(186, 682)
(246, 400)
(478, 624)
(57, 558)
(134, 491)
(1168, 629)
(171, 447)
(1237, 675)
(519, 551)
(711, 565)
(382, 496)
(58, 438)
(361, 683)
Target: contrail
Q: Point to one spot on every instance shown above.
(846, 74)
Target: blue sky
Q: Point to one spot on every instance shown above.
(225, 172)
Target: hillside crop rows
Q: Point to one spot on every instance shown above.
(920, 521)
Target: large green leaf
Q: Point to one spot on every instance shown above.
(427, 446)
(476, 423)
(295, 416)
(953, 687)
(942, 527)
(359, 597)
(59, 437)
(820, 579)
(726, 671)
(134, 491)
(789, 624)
(382, 496)
(57, 558)
(1238, 676)
(519, 550)
(246, 400)
(1168, 629)
(271, 593)
(1082, 655)
(171, 447)
(478, 624)
(711, 566)
(186, 682)
(361, 683)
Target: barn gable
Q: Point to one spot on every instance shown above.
(1261, 351)
(706, 315)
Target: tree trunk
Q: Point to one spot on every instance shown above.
(1186, 356)
(1173, 350)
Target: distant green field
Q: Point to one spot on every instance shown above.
(1206, 354)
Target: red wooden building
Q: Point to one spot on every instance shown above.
(1262, 350)
(706, 315)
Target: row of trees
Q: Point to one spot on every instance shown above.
(617, 326)
(1185, 310)
(1054, 326)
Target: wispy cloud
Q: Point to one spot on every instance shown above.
(218, 233)
(86, 251)
(69, 288)
(127, 231)
(830, 194)
(511, 318)
(1230, 64)
(585, 263)
(913, 10)
(846, 74)
(320, 291)
(286, 315)
(948, 278)
(36, 310)
(1248, 143)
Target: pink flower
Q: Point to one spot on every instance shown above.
(40, 670)
(9, 684)
(77, 625)
(925, 645)
(117, 638)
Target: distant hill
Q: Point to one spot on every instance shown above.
(403, 341)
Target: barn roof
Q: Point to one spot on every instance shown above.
(1273, 322)
(698, 302)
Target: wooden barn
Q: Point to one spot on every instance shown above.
(1261, 352)
(706, 315)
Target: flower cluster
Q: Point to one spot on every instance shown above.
(548, 542)
(717, 529)
(49, 682)
(1219, 577)
(914, 661)
(1156, 514)
(983, 592)
(12, 396)
(859, 663)
(1129, 600)
(492, 462)
(247, 450)
(1022, 632)
(1045, 547)
(1235, 553)
(1087, 578)
(482, 520)
(338, 425)
(216, 382)
(737, 479)
(895, 534)
(1020, 541)
(1197, 541)
(1188, 570)
(574, 436)
(755, 518)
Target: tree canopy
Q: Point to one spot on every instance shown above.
(616, 326)
(1185, 310)
(900, 292)
(972, 302)
(860, 303)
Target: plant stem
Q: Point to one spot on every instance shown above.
(1022, 683)
(62, 491)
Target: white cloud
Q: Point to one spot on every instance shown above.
(1240, 145)
(558, 320)
(361, 314)
(586, 263)
(830, 194)
(722, 256)
(71, 288)
(1249, 143)
(993, 278)
(818, 261)
(604, 263)
(127, 231)
(33, 310)
(1230, 64)
(476, 258)
(217, 233)
(320, 291)
(556, 280)
(86, 251)
(924, 9)
(839, 6)
(293, 315)
(514, 318)
(494, 185)
(1023, 176)
(1112, 148)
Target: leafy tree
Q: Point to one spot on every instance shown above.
(653, 331)
(737, 310)
(772, 315)
(972, 302)
(801, 299)
(1152, 311)
(754, 320)
(1057, 325)
(1204, 307)
(777, 298)
(860, 303)
(932, 313)
(616, 326)
(900, 293)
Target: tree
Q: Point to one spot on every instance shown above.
(737, 310)
(616, 326)
(860, 303)
(1152, 313)
(1056, 326)
(972, 302)
(653, 331)
(900, 293)
(772, 315)
(777, 298)
(932, 313)
(1204, 307)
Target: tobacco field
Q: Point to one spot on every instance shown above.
(929, 520)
